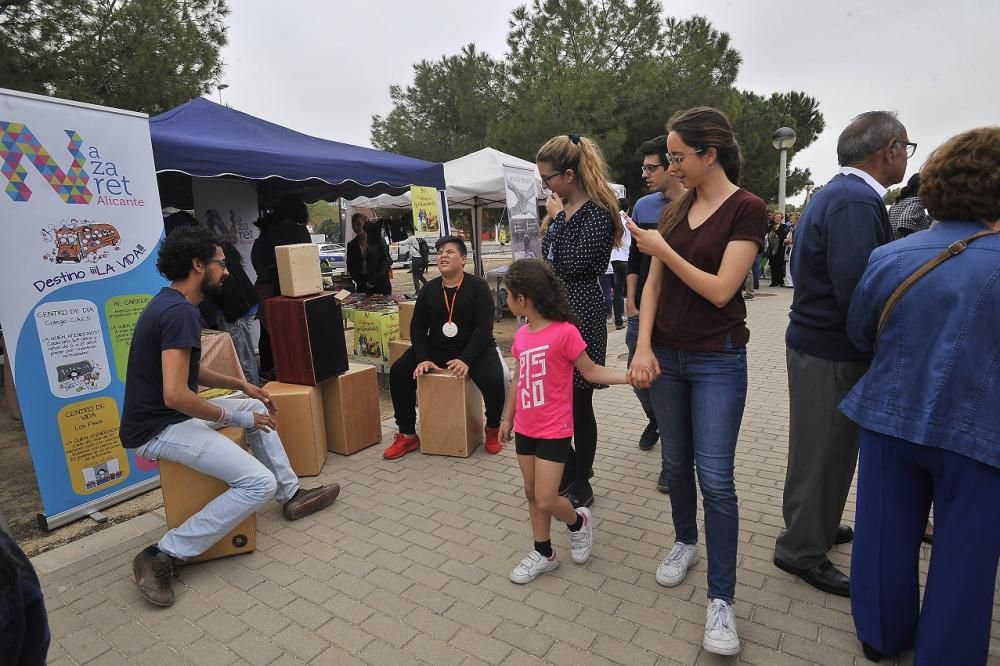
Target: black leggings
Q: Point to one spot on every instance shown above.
(486, 371)
(581, 457)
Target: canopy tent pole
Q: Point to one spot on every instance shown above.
(477, 243)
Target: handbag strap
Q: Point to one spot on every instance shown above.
(956, 248)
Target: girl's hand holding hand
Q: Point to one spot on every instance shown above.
(643, 369)
(505, 431)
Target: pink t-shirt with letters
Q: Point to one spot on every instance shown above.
(545, 360)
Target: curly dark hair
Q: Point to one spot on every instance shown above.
(961, 178)
(533, 279)
(184, 246)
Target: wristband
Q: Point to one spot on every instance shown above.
(228, 417)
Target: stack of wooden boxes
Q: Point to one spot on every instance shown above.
(324, 402)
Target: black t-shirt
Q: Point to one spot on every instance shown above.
(472, 313)
(169, 321)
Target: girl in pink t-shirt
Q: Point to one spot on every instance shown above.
(539, 408)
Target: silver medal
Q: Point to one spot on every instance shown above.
(450, 329)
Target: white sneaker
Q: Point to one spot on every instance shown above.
(582, 541)
(720, 629)
(674, 567)
(532, 566)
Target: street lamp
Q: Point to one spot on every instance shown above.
(222, 86)
(809, 188)
(783, 139)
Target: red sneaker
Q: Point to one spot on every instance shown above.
(493, 444)
(401, 445)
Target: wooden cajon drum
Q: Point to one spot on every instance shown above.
(350, 402)
(451, 415)
(301, 425)
(186, 492)
(405, 318)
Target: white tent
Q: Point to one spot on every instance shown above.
(473, 181)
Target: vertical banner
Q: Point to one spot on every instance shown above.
(426, 211)
(228, 208)
(522, 209)
(82, 223)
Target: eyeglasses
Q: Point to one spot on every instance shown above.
(651, 168)
(909, 146)
(676, 159)
(221, 262)
(546, 179)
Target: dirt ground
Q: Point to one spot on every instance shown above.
(21, 502)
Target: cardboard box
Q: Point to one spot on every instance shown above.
(405, 317)
(350, 402)
(298, 269)
(373, 331)
(451, 415)
(397, 348)
(186, 492)
(301, 425)
(307, 338)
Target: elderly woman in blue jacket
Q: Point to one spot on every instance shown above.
(930, 419)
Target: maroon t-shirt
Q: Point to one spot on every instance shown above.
(684, 319)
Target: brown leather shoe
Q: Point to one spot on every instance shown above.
(152, 575)
(306, 502)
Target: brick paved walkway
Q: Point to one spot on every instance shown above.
(411, 565)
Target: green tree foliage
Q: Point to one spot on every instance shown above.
(144, 55)
(324, 218)
(445, 112)
(614, 70)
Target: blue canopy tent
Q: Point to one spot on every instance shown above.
(205, 139)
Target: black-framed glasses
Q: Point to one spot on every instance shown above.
(909, 146)
(676, 158)
(651, 168)
(546, 179)
(221, 262)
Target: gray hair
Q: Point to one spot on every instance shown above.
(867, 134)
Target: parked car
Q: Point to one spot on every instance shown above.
(332, 256)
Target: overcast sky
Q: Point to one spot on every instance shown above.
(324, 68)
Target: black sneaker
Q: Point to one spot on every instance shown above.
(649, 437)
(662, 485)
(581, 499)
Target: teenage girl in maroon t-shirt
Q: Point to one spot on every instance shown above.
(692, 350)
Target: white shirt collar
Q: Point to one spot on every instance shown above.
(867, 177)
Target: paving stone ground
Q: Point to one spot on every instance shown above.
(411, 564)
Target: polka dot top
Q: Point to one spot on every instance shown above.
(578, 250)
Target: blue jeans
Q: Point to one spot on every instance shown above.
(755, 268)
(240, 332)
(253, 479)
(699, 399)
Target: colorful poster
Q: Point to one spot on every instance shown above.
(522, 210)
(82, 225)
(426, 211)
(373, 330)
(229, 209)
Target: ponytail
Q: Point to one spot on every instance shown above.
(584, 157)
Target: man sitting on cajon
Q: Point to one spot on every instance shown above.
(163, 417)
(452, 327)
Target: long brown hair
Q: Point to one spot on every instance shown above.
(702, 127)
(534, 279)
(583, 156)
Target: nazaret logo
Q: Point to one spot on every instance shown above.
(17, 142)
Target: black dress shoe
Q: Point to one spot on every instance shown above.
(871, 654)
(649, 437)
(825, 577)
(845, 534)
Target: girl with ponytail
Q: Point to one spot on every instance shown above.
(580, 229)
(691, 350)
